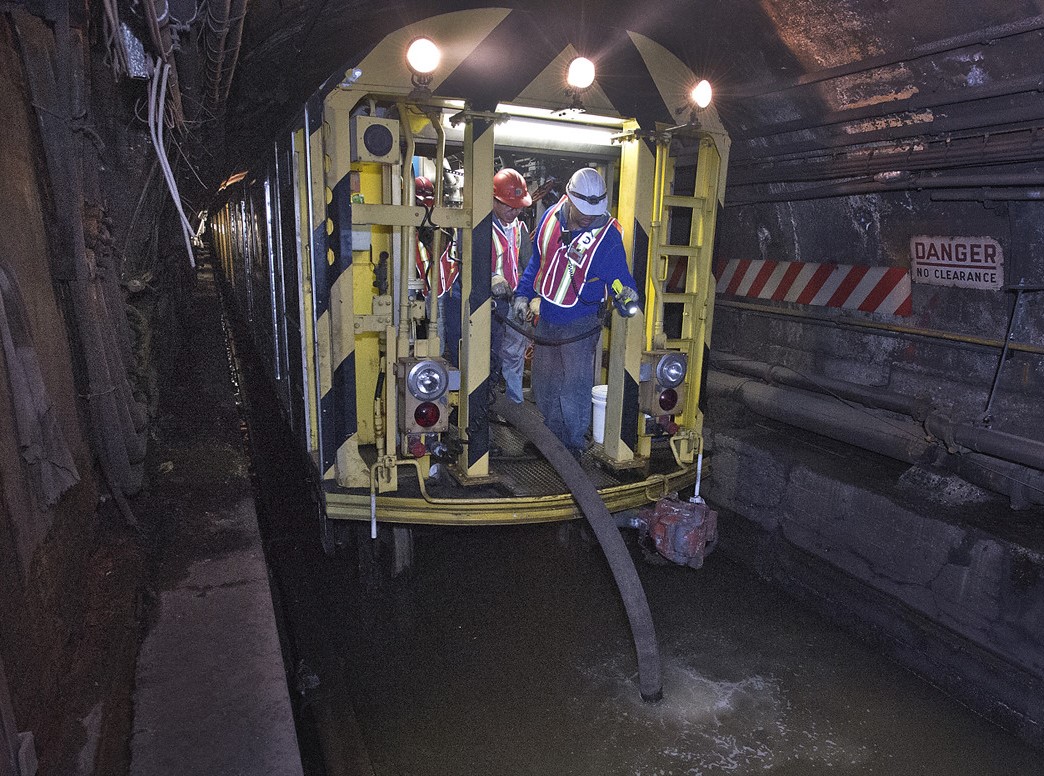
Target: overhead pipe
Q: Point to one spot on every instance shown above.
(1022, 145)
(214, 36)
(902, 440)
(939, 128)
(916, 102)
(906, 183)
(237, 17)
(988, 194)
(983, 37)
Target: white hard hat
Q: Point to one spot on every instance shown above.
(586, 191)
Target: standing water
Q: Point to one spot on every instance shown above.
(509, 653)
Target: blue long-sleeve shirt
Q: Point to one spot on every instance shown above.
(609, 263)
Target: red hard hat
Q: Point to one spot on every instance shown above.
(424, 190)
(510, 188)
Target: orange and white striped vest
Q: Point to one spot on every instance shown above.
(507, 242)
(449, 267)
(563, 268)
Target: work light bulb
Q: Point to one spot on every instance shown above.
(701, 94)
(581, 73)
(423, 56)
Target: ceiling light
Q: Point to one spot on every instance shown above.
(581, 73)
(423, 56)
(702, 93)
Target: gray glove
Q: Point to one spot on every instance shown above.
(500, 288)
(627, 294)
(520, 309)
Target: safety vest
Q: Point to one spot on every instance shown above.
(507, 242)
(449, 266)
(563, 268)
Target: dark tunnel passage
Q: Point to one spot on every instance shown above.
(248, 316)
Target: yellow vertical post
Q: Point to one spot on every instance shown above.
(634, 209)
(662, 178)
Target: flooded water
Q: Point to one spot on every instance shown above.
(509, 653)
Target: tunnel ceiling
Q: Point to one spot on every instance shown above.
(793, 78)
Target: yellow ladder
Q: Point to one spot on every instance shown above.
(697, 298)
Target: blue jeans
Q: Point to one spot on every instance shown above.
(508, 356)
(563, 376)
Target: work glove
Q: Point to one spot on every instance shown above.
(499, 288)
(627, 294)
(520, 309)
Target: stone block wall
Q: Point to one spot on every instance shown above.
(919, 562)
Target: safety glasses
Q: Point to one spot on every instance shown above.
(590, 200)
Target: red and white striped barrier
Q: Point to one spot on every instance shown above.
(847, 286)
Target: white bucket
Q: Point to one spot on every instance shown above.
(598, 394)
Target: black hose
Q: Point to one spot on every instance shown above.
(544, 340)
(529, 423)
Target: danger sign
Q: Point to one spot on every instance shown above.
(967, 262)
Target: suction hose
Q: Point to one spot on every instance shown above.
(529, 423)
(529, 333)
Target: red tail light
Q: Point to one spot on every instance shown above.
(416, 447)
(427, 414)
(668, 399)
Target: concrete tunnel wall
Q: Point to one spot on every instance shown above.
(906, 557)
(942, 575)
(875, 230)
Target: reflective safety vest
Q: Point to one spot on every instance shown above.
(563, 268)
(449, 266)
(507, 242)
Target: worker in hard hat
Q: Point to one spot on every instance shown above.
(578, 255)
(448, 267)
(511, 249)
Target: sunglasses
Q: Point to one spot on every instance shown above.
(590, 200)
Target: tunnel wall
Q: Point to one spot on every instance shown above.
(931, 570)
(955, 375)
(43, 557)
(945, 577)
